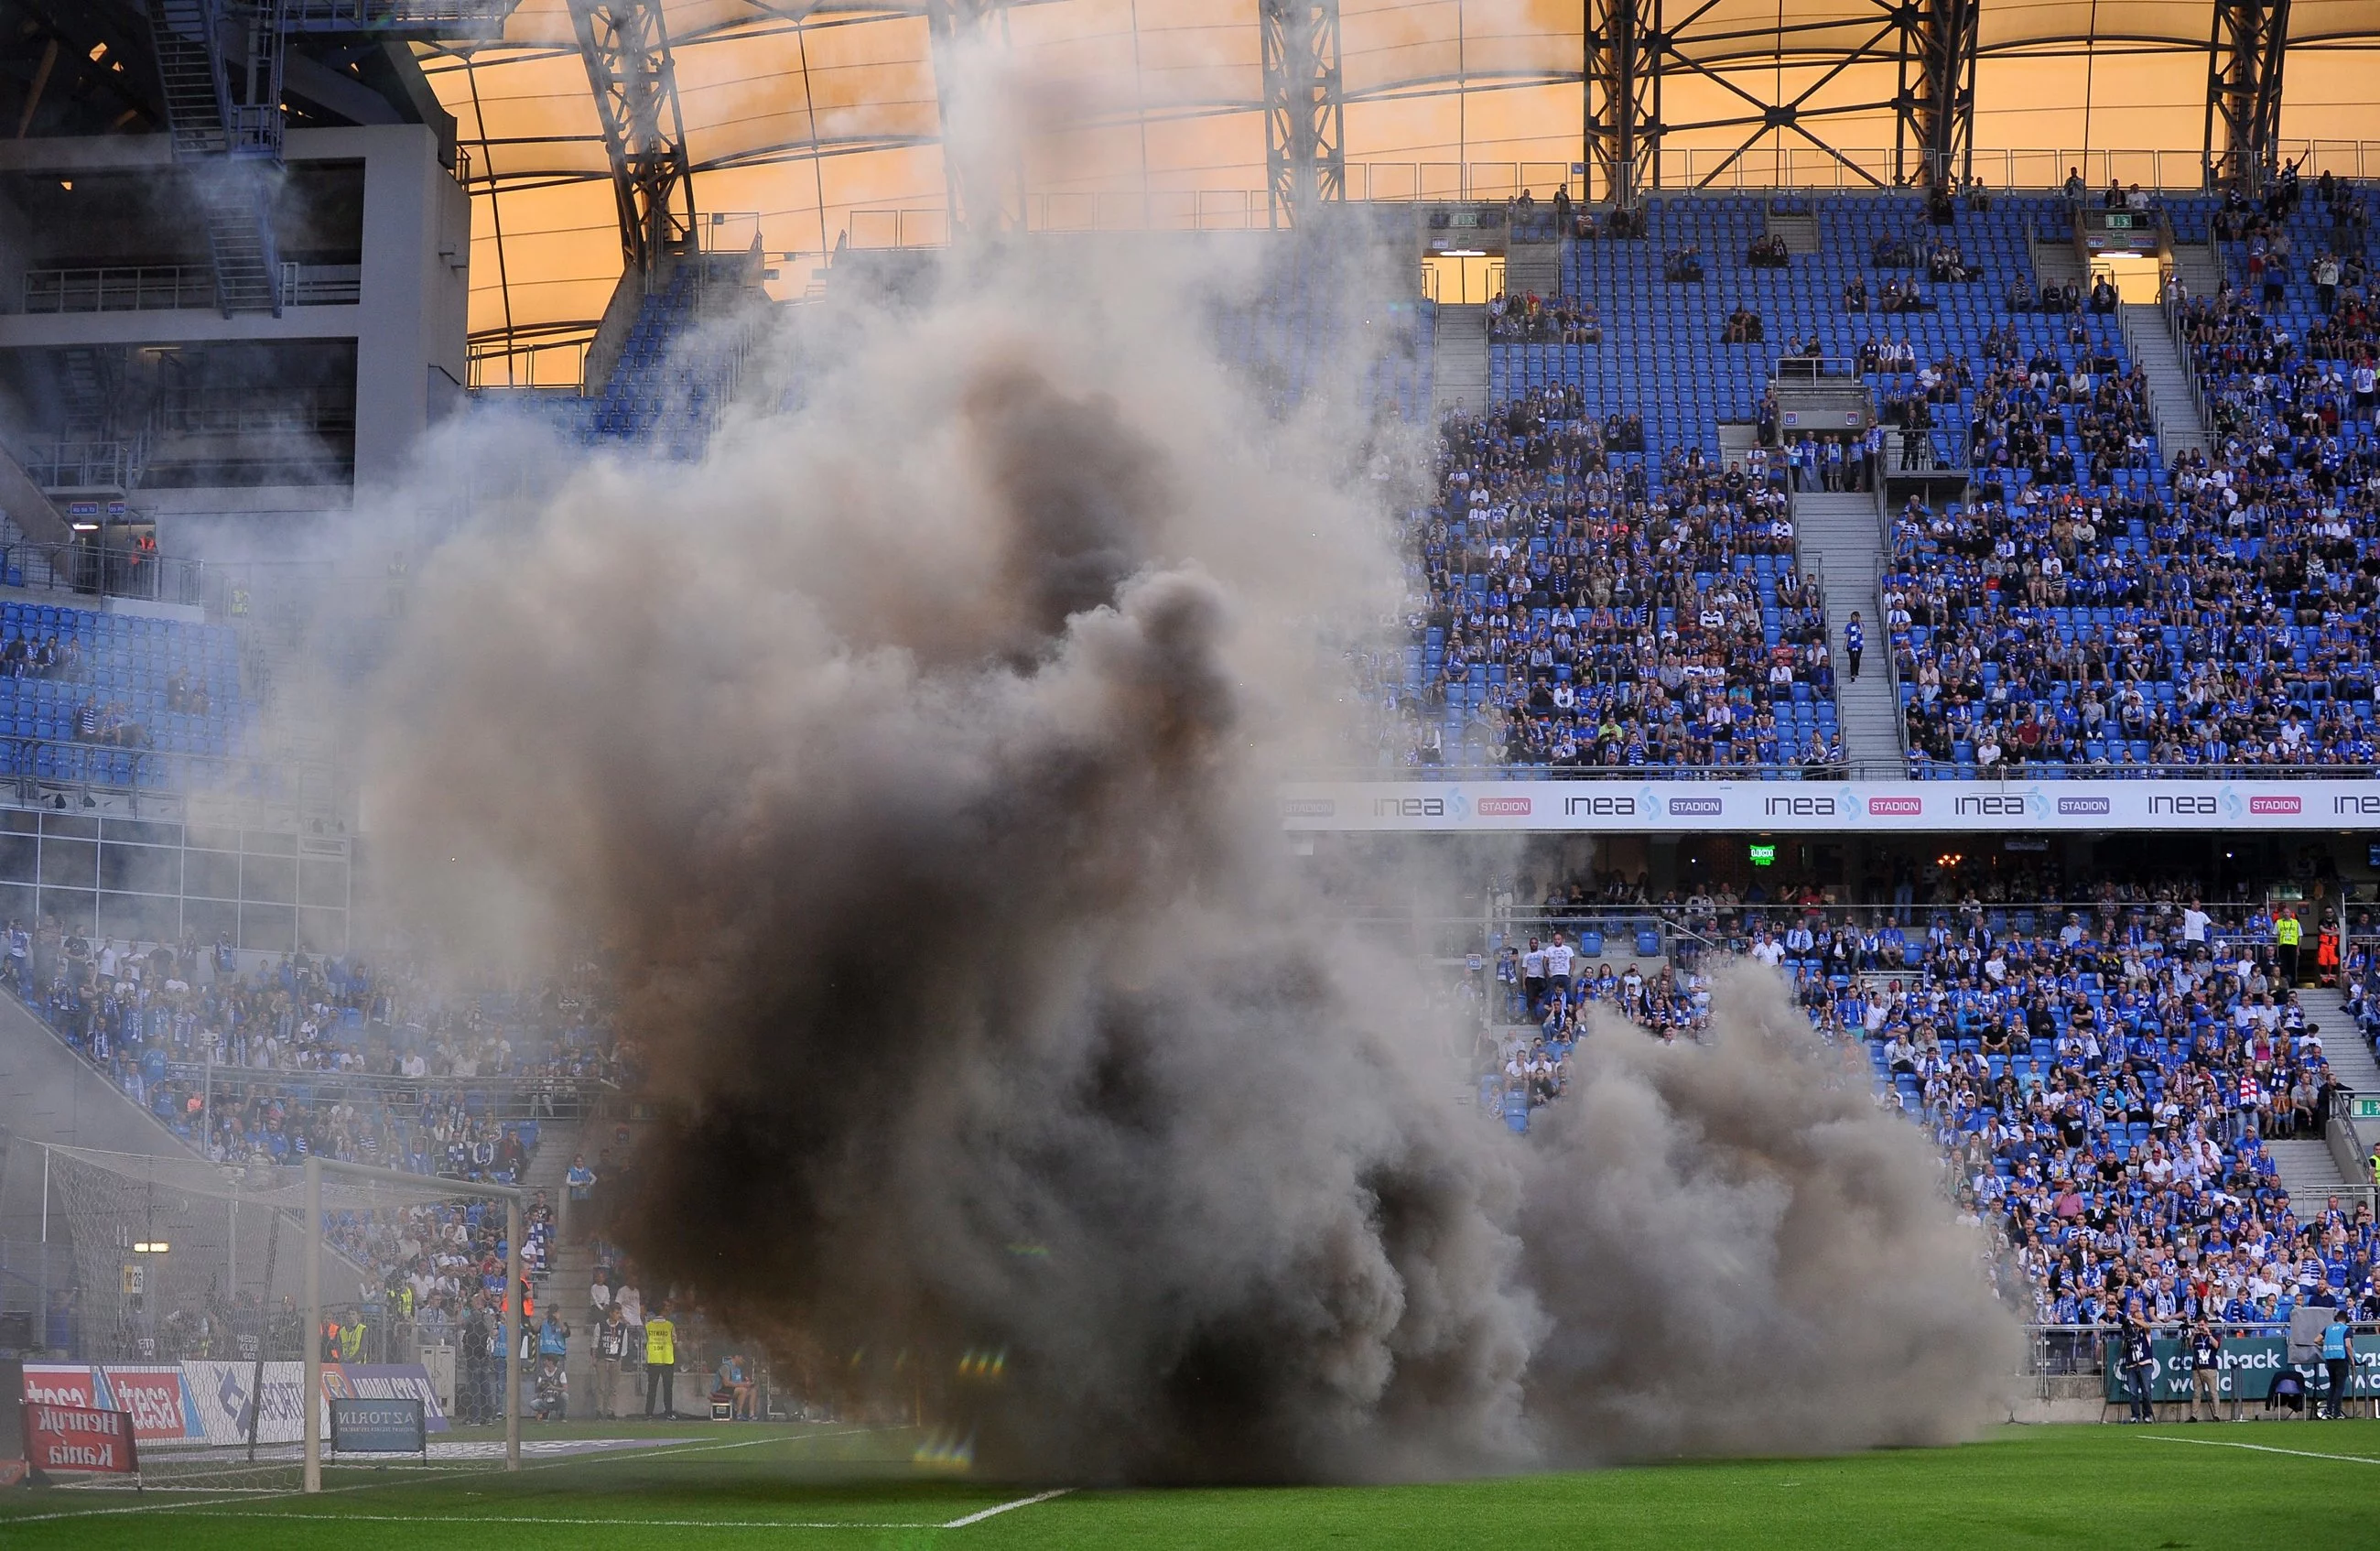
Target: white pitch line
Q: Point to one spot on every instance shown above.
(1003, 1508)
(499, 1519)
(2262, 1449)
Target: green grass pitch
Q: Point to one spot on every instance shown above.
(2164, 1488)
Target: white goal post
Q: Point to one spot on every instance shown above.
(508, 1364)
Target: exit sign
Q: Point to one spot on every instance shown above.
(2367, 1106)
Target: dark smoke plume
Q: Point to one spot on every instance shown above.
(915, 755)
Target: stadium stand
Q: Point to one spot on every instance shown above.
(2107, 1080)
(2090, 607)
(118, 701)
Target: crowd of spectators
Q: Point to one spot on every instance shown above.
(1568, 611)
(2103, 1078)
(1530, 318)
(2094, 610)
(315, 1055)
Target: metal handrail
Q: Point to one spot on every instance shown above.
(118, 289)
(19, 764)
(89, 570)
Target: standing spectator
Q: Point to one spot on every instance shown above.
(1557, 962)
(581, 1178)
(2205, 1370)
(1533, 975)
(2139, 1364)
(2338, 1361)
(611, 1345)
(661, 1362)
(1854, 642)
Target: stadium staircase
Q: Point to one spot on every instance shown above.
(1533, 268)
(28, 516)
(1840, 538)
(1799, 228)
(2170, 400)
(2199, 267)
(1459, 356)
(230, 190)
(2308, 1172)
(571, 1266)
(2054, 263)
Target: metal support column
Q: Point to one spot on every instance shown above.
(310, 1399)
(625, 47)
(1624, 99)
(510, 1367)
(984, 183)
(1935, 108)
(2244, 90)
(1305, 107)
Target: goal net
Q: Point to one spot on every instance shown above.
(189, 1311)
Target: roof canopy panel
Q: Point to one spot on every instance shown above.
(820, 117)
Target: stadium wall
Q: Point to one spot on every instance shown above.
(407, 323)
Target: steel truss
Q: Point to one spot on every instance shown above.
(1305, 107)
(2244, 90)
(625, 46)
(986, 184)
(1634, 46)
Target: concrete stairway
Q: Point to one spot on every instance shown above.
(1533, 268)
(1458, 360)
(1840, 537)
(2054, 263)
(2199, 267)
(2342, 1045)
(1800, 232)
(2308, 1172)
(2152, 346)
(571, 1265)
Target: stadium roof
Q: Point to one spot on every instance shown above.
(805, 119)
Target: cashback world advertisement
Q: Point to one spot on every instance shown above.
(2249, 1365)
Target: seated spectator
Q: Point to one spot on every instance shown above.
(1855, 295)
(1530, 318)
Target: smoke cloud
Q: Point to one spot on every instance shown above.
(915, 753)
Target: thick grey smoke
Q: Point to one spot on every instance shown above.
(914, 755)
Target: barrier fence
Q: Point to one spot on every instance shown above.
(2250, 1358)
(1675, 170)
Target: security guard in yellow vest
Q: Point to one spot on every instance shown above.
(661, 1362)
(2287, 933)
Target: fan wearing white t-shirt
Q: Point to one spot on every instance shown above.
(1533, 975)
(1557, 957)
